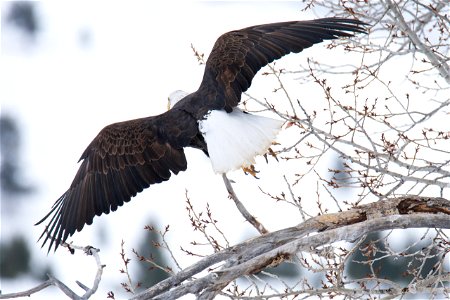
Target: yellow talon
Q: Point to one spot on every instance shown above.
(271, 153)
(250, 170)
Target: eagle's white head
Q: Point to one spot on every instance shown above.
(175, 97)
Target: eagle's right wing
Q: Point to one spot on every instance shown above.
(120, 162)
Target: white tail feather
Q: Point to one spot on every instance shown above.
(234, 139)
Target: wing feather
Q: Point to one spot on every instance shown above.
(123, 160)
(238, 55)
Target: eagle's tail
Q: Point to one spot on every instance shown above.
(234, 139)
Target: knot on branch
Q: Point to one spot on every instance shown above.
(410, 205)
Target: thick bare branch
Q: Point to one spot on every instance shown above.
(273, 248)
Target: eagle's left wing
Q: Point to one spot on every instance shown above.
(238, 55)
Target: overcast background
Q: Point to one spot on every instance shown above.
(88, 64)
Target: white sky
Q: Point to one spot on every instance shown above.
(63, 94)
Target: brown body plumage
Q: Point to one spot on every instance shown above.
(129, 156)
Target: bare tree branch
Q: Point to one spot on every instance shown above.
(244, 212)
(29, 292)
(439, 63)
(273, 248)
(88, 250)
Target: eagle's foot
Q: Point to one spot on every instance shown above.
(271, 153)
(250, 170)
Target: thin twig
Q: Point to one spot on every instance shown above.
(29, 292)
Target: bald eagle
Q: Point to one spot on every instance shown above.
(127, 157)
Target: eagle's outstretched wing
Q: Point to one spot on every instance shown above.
(238, 55)
(120, 162)
(129, 156)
